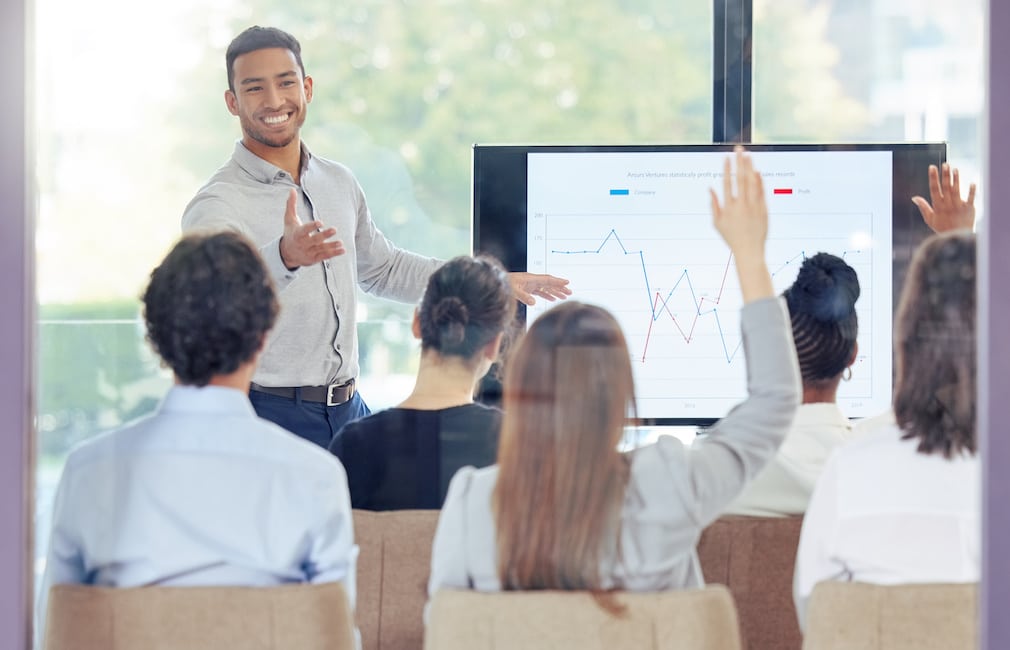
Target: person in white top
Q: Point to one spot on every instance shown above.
(902, 503)
(822, 310)
(564, 509)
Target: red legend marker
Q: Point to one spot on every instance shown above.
(783, 190)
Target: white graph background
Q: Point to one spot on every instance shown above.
(633, 232)
(672, 284)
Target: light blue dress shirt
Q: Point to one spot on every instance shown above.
(202, 492)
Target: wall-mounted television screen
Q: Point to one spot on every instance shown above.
(631, 228)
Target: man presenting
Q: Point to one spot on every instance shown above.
(306, 378)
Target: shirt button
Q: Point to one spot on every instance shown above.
(326, 264)
(338, 346)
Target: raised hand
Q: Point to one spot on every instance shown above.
(948, 211)
(527, 285)
(306, 244)
(742, 220)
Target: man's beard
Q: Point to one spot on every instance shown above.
(269, 140)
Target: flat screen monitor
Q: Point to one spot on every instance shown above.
(631, 228)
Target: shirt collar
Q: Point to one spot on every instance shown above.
(261, 170)
(208, 399)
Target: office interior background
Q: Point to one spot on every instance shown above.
(127, 119)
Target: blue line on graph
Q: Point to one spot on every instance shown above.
(618, 192)
(654, 307)
(660, 304)
(641, 259)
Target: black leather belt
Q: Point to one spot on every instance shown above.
(332, 395)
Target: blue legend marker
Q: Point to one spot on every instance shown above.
(619, 192)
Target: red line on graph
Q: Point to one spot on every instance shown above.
(690, 333)
(783, 190)
(722, 286)
(649, 333)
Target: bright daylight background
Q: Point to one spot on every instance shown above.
(131, 121)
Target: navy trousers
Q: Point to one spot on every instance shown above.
(313, 421)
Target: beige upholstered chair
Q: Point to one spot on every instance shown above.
(306, 617)
(859, 616)
(701, 619)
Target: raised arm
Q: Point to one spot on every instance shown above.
(722, 462)
(945, 209)
(742, 220)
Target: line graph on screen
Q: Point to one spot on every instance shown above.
(672, 284)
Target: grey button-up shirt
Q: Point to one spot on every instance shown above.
(315, 341)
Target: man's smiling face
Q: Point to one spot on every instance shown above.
(270, 97)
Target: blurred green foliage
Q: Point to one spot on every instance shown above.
(403, 90)
(97, 371)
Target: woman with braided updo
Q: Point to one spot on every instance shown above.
(822, 308)
(403, 458)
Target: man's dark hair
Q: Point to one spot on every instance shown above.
(934, 344)
(209, 306)
(260, 38)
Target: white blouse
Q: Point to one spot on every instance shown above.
(886, 514)
(784, 486)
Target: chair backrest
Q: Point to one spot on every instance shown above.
(851, 615)
(307, 617)
(698, 619)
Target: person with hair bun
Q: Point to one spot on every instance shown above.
(822, 309)
(403, 458)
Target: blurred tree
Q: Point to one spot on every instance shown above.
(403, 89)
(798, 96)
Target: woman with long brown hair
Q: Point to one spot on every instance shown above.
(564, 509)
(902, 503)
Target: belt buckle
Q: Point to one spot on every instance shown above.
(332, 400)
(329, 395)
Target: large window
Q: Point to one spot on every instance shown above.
(871, 70)
(132, 121)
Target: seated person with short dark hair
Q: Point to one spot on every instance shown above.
(403, 458)
(202, 491)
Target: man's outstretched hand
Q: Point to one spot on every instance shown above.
(528, 286)
(948, 211)
(306, 244)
